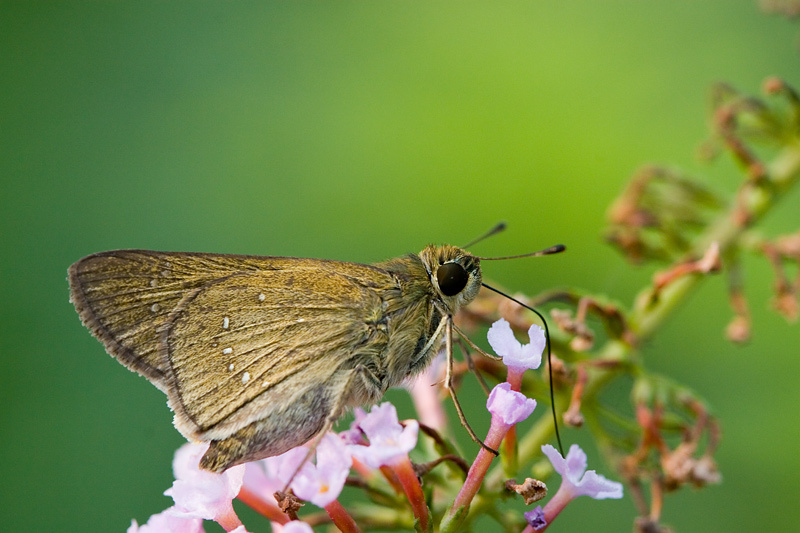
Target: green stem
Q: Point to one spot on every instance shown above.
(757, 198)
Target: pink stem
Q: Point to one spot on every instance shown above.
(514, 378)
(341, 518)
(228, 520)
(408, 479)
(556, 505)
(509, 456)
(478, 470)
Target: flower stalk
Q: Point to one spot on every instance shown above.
(341, 518)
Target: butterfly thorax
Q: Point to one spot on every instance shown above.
(417, 309)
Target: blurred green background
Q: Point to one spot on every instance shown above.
(361, 131)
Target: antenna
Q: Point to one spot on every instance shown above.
(555, 249)
(500, 226)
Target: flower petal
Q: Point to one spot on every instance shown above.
(514, 354)
(199, 493)
(575, 480)
(380, 422)
(510, 406)
(168, 522)
(576, 463)
(322, 483)
(388, 439)
(534, 350)
(535, 518)
(558, 462)
(598, 487)
(257, 481)
(502, 339)
(296, 526)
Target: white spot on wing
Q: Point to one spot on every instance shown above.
(226, 351)
(245, 377)
(230, 367)
(261, 297)
(155, 307)
(225, 323)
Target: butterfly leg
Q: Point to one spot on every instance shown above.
(471, 365)
(448, 383)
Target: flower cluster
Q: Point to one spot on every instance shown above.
(375, 442)
(200, 495)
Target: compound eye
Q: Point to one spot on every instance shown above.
(452, 278)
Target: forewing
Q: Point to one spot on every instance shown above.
(257, 342)
(124, 297)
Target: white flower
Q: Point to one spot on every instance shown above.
(516, 355)
(576, 480)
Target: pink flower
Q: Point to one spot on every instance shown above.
(425, 391)
(269, 475)
(575, 480)
(259, 481)
(388, 440)
(296, 526)
(168, 522)
(509, 406)
(202, 494)
(517, 356)
(321, 483)
(355, 435)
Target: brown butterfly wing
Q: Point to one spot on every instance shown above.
(124, 296)
(255, 343)
(182, 320)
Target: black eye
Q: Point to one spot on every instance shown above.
(452, 278)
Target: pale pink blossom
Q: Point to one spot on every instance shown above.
(515, 355)
(168, 522)
(510, 407)
(202, 494)
(389, 441)
(296, 526)
(322, 482)
(576, 480)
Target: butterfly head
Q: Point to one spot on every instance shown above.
(454, 274)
